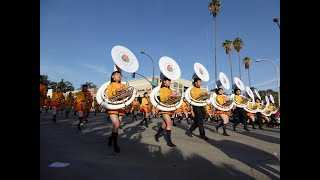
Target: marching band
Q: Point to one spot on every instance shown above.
(196, 105)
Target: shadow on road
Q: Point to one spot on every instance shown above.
(91, 158)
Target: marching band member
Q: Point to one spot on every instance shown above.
(145, 102)
(75, 105)
(69, 103)
(259, 114)
(209, 112)
(185, 108)
(43, 93)
(165, 94)
(199, 112)
(57, 97)
(135, 108)
(155, 111)
(96, 106)
(128, 109)
(84, 99)
(47, 103)
(251, 115)
(272, 116)
(115, 115)
(242, 116)
(224, 115)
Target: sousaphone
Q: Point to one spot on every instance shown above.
(202, 73)
(170, 69)
(254, 108)
(124, 60)
(274, 109)
(257, 94)
(238, 84)
(266, 111)
(223, 81)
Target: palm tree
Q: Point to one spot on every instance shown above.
(246, 62)
(276, 20)
(214, 8)
(228, 46)
(237, 44)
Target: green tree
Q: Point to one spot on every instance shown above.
(89, 84)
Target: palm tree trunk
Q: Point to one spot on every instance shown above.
(215, 50)
(249, 76)
(239, 65)
(231, 70)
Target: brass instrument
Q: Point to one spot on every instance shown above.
(204, 97)
(227, 103)
(274, 110)
(245, 100)
(128, 92)
(174, 100)
(254, 107)
(262, 107)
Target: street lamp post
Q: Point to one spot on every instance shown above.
(152, 66)
(134, 75)
(258, 60)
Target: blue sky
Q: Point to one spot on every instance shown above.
(76, 37)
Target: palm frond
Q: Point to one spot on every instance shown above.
(238, 43)
(228, 46)
(246, 62)
(214, 7)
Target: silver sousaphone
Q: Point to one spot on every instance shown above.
(274, 109)
(223, 81)
(254, 108)
(170, 69)
(124, 60)
(202, 73)
(238, 84)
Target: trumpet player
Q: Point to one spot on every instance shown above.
(165, 94)
(145, 103)
(199, 112)
(84, 101)
(114, 88)
(242, 116)
(224, 115)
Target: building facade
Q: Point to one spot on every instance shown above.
(142, 85)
